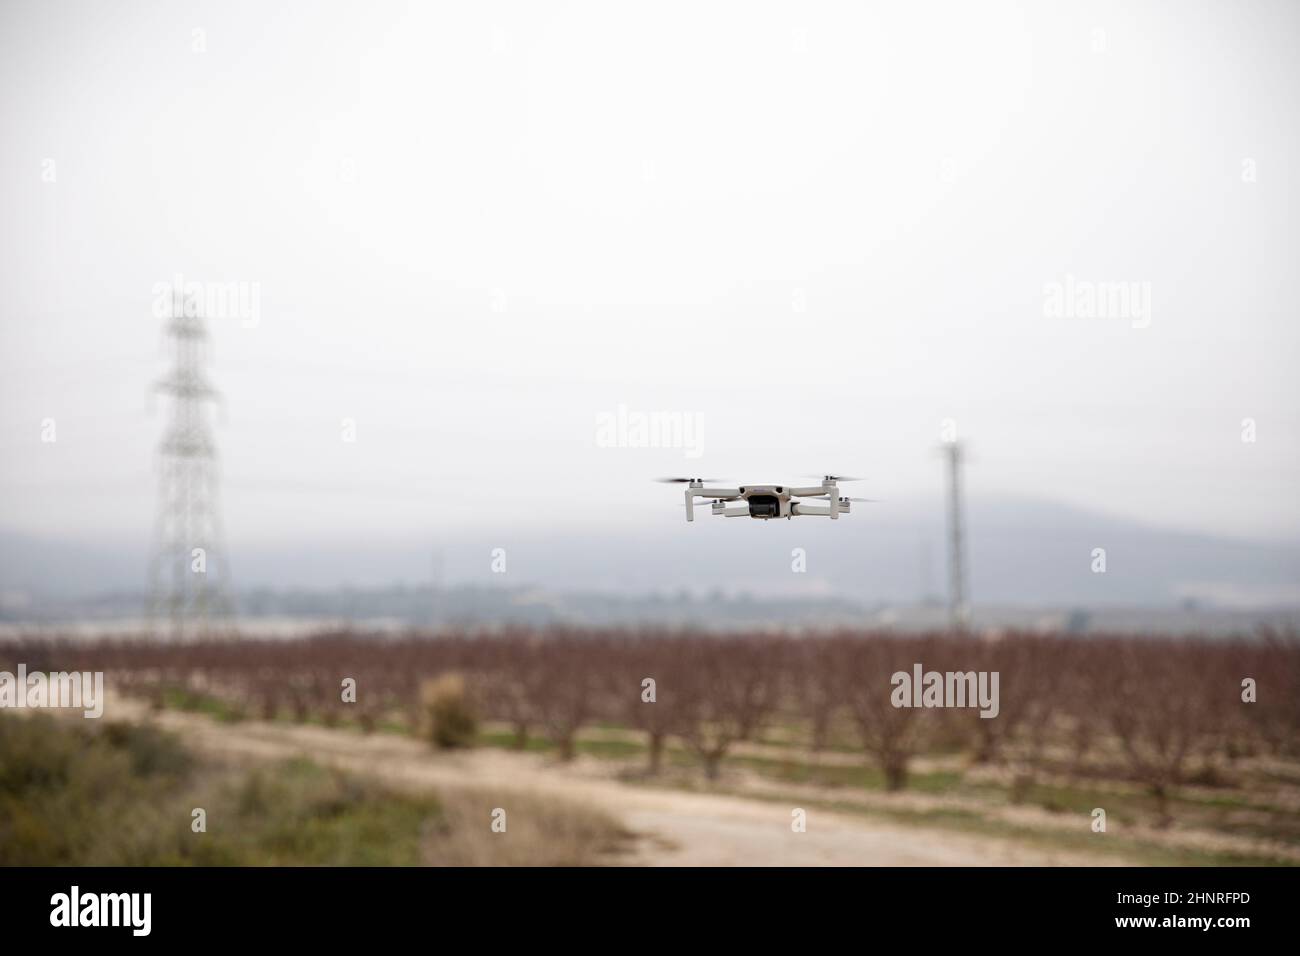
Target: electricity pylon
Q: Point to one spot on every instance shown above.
(190, 577)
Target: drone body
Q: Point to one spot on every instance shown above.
(766, 502)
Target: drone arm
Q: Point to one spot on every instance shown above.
(827, 488)
(808, 492)
(692, 492)
(833, 508)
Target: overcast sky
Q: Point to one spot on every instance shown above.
(472, 229)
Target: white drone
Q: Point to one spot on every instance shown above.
(769, 501)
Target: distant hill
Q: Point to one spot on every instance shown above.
(1022, 552)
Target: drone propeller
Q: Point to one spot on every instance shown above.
(835, 478)
(683, 481)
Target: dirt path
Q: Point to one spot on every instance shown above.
(675, 827)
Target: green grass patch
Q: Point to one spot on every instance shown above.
(178, 698)
(123, 795)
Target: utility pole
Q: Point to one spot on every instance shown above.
(189, 575)
(958, 609)
(437, 596)
(925, 595)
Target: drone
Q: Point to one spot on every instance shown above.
(766, 502)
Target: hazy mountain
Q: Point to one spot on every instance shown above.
(1022, 552)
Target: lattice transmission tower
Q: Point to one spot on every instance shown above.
(189, 575)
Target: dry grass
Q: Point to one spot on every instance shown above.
(539, 831)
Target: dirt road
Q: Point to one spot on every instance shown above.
(674, 827)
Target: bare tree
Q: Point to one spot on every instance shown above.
(728, 686)
(812, 664)
(565, 691)
(1155, 697)
(644, 685)
(891, 735)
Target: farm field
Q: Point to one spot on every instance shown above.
(754, 750)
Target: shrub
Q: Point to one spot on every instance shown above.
(451, 719)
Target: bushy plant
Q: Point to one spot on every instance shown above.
(450, 715)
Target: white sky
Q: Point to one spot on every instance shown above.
(646, 193)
